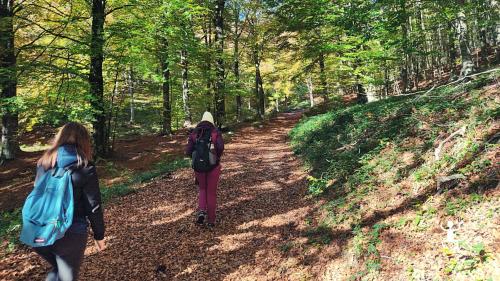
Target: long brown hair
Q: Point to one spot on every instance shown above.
(71, 133)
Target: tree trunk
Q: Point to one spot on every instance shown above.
(494, 29)
(185, 90)
(207, 30)
(8, 82)
(467, 64)
(426, 60)
(361, 97)
(483, 35)
(485, 47)
(452, 50)
(236, 65)
(130, 87)
(219, 42)
(96, 79)
(371, 93)
(310, 88)
(259, 89)
(112, 108)
(405, 71)
(386, 80)
(167, 107)
(322, 77)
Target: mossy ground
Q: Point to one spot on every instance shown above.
(373, 169)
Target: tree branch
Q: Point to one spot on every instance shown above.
(437, 151)
(118, 8)
(51, 32)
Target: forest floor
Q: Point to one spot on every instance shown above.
(270, 225)
(152, 236)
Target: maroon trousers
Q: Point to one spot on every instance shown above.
(207, 184)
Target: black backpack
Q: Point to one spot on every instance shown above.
(203, 160)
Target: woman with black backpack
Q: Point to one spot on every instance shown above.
(72, 151)
(205, 146)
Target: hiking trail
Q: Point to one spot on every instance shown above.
(151, 234)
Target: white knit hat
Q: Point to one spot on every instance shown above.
(207, 116)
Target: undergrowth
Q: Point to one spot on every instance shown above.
(339, 144)
(369, 162)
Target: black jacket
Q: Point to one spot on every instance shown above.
(86, 197)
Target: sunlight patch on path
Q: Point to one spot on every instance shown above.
(277, 220)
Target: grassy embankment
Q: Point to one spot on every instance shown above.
(375, 171)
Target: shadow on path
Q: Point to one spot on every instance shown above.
(262, 206)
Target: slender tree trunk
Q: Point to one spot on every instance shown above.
(310, 89)
(467, 64)
(167, 107)
(361, 94)
(130, 87)
(322, 77)
(483, 36)
(96, 79)
(494, 29)
(208, 65)
(405, 71)
(426, 60)
(386, 80)
(452, 49)
(8, 82)
(220, 110)
(185, 90)
(485, 47)
(112, 107)
(236, 65)
(358, 88)
(440, 56)
(259, 89)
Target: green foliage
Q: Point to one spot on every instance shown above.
(457, 205)
(320, 235)
(127, 187)
(286, 247)
(317, 186)
(161, 168)
(365, 248)
(466, 257)
(117, 190)
(333, 47)
(10, 227)
(344, 145)
(422, 217)
(358, 153)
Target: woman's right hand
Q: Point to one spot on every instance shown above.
(100, 245)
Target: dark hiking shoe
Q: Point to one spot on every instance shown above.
(201, 217)
(210, 225)
(161, 270)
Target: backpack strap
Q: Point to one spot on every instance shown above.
(201, 131)
(59, 172)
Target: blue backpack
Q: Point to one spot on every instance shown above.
(48, 210)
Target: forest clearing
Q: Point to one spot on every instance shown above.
(357, 140)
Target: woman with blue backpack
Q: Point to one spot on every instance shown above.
(205, 147)
(66, 196)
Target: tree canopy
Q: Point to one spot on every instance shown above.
(100, 61)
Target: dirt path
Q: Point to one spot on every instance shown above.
(261, 209)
